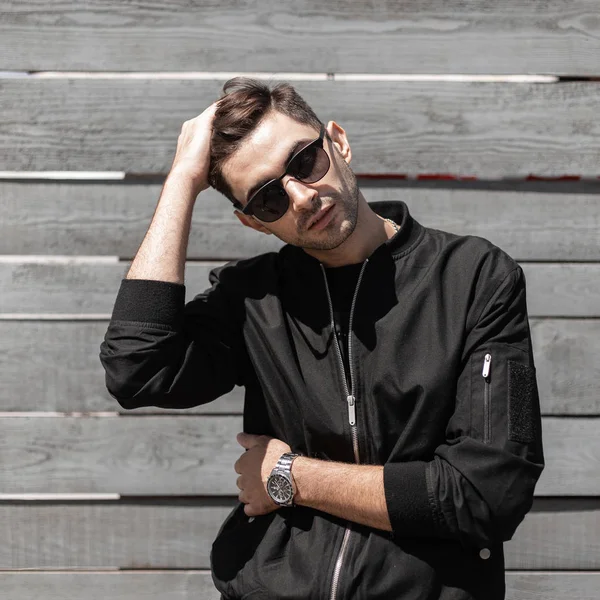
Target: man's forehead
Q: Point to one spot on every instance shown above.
(262, 155)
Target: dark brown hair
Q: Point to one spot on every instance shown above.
(243, 105)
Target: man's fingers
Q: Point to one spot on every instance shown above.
(209, 111)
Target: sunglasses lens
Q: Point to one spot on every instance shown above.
(310, 165)
(270, 203)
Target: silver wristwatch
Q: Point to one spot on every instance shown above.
(280, 484)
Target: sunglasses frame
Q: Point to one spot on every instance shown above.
(247, 210)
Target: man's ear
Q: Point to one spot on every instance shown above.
(339, 140)
(250, 221)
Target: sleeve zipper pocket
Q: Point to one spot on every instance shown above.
(487, 362)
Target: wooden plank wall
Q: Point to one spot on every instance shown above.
(98, 502)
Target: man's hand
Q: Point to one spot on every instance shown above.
(255, 466)
(192, 157)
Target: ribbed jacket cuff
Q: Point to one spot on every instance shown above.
(407, 499)
(149, 301)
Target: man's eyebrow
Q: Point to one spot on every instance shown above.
(297, 145)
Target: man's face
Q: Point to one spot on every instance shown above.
(263, 157)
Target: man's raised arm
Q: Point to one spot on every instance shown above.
(157, 350)
(162, 254)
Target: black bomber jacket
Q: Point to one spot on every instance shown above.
(443, 395)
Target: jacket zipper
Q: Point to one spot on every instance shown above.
(351, 401)
(487, 363)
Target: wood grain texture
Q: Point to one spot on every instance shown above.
(567, 358)
(557, 534)
(572, 457)
(427, 36)
(134, 585)
(178, 534)
(155, 534)
(194, 455)
(531, 220)
(488, 130)
(150, 455)
(553, 290)
(54, 366)
(552, 586)
(563, 290)
(198, 585)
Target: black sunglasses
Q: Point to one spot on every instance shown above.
(271, 201)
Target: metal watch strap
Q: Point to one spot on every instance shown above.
(285, 461)
(285, 464)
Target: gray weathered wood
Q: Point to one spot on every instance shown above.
(176, 533)
(198, 585)
(563, 290)
(557, 534)
(552, 586)
(134, 585)
(54, 366)
(530, 220)
(147, 455)
(567, 358)
(191, 455)
(572, 457)
(428, 36)
(488, 130)
(130, 535)
(553, 290)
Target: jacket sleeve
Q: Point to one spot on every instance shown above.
(159, 351)
(480, 483)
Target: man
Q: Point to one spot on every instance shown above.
(392, 435)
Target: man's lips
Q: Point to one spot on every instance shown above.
(322, 213)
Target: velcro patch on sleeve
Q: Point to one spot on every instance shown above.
(521, 396)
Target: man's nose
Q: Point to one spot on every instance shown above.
(301, 194)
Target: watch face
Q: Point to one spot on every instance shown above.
(279, 488)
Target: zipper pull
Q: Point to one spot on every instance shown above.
(351, 410)
(487, 361)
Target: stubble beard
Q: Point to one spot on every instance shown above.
(347, 215)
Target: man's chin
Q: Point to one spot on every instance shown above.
(330, 242)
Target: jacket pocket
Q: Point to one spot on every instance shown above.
(486, 374)
(504, 396)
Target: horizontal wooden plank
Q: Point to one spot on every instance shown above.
(178, 534)
(572, 457)
(552, 586)
(54, 366)
(567, 358)
(529, 220)
(195, 455)
(197, 585)
(558, 534)
(553, 290)
(365, 37)
(149, 585)
(127, 535)
(562, 290)
(147, 455)
(488, 130)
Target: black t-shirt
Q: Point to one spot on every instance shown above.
(342, 284)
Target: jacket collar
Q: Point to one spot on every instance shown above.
(410, 234)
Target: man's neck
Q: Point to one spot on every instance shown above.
(370, 232)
